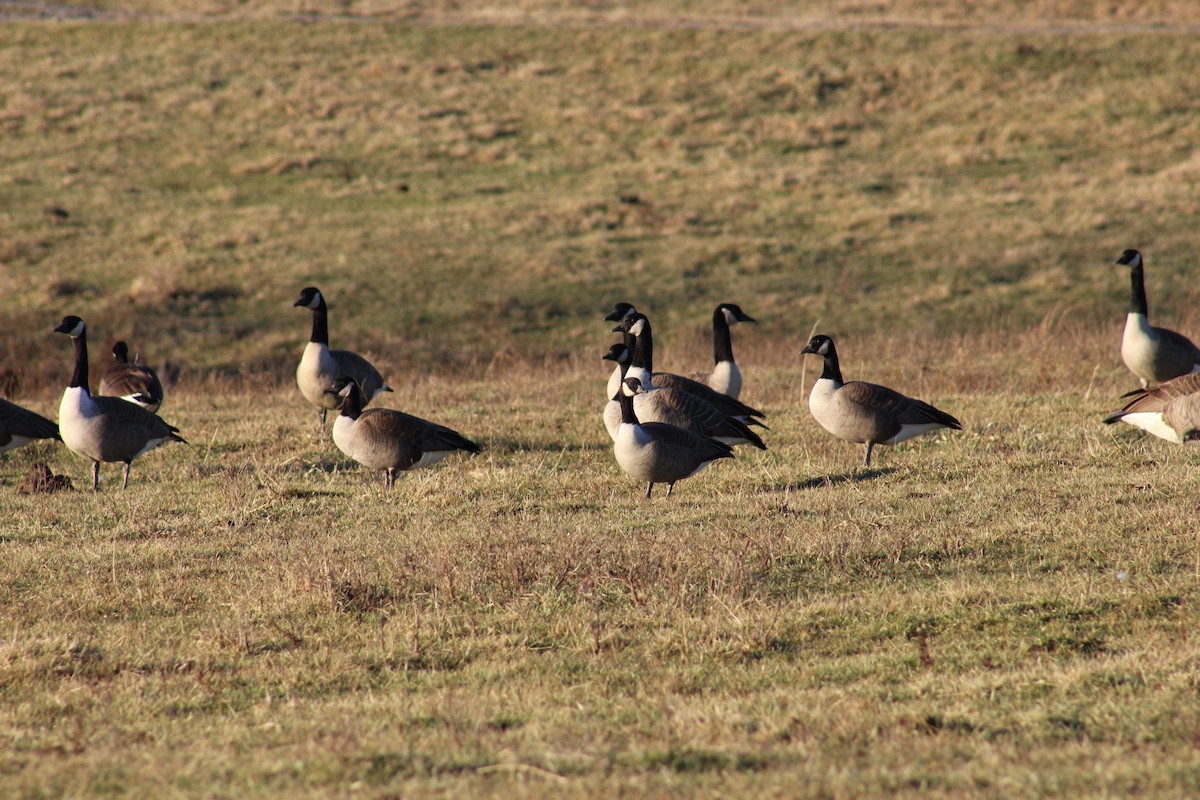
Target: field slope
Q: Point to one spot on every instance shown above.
(1004, 611)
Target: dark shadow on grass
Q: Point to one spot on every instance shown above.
(857, 476)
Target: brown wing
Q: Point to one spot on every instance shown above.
(122, 380)
(1156, 398)
(906, 410)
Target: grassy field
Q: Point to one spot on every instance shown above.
(1004, 611)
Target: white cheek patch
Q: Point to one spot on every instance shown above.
(637, 327)
(730, 319)
(315, 303)
(630, 312)
(78, 330)
(823, 349)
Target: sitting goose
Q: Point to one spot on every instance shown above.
(321, 367)
(381, 438)
(722, 402)
(104, 428)
(725, 377)
(1153, 354)
(20, 426)
(131, 381)
(657, 453)
(669, 404)
(865, 412)
(1170, 410)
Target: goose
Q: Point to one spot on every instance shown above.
(321, 367)
(104, 428)
(865, 412)
(725, 377)
(1169, 410)
(670, 404)
(722, 402)
(134, 382)
(381, 438)
(20, 426)
(658, 453)
(1153, 354)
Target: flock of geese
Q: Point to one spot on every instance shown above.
(665, 427)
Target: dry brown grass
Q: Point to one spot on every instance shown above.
(1004, 611)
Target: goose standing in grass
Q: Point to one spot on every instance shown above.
(673, 405)
(1153, 354)
(1169, 410)
(380, 438)
(865, 412)
(104, 428)
(725, 377)
(320, 368)
(20, 426)
(655, 452)
(131, 381)
(722, 402)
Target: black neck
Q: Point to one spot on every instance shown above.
(832, 371)
(626, 402)
(642, 354)
(320, 330)
(1137, 297)
(722, 344)
(79, 378)
(352, 406)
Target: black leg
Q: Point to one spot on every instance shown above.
(649, 486)
(322, 415)
(125, 485)
(95, 476)
(390, 480)
(867, 460)
(670, 488)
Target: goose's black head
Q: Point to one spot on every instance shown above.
(733, 313)
(618, 353)
(72, 326)
(620, 311)
(121, 352)
(343, 388)
(634, 323)
(632, 386)
(310, 297)
(1130, 258)
(820, 345)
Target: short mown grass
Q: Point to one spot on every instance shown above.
(1005, 611)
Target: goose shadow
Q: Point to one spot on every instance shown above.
(856, 476)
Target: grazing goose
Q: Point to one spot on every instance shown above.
(104, 428)
(627, 316)
(134, 382)
(672, 405)
(864, 412)
(1153, 354)
(1170, 410)
(725, 377)
(381, 438)
(321, 367)
(657, 453)
(20, 426)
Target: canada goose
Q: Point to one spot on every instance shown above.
(670, 404)
(1153, 354)
(104, 428)
(321, 367)
(657, 453)
(20, 426)
(134, 382)
(722, 402)
(725, 377)
(381, 438)
(1169, 410)
(864, 412)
